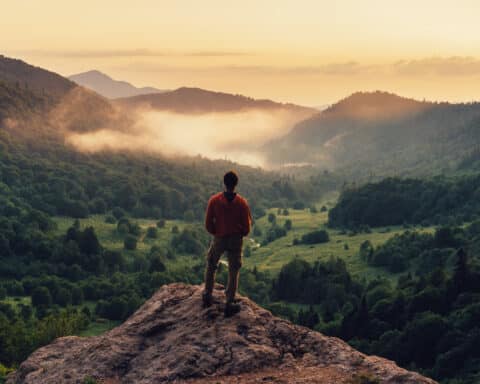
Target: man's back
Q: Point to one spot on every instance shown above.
(227, 214)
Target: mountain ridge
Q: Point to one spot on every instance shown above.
(172, 339)
(199, 100)
(108, 87)
(382, 133)
(24, 75)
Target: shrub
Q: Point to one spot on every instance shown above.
(315, 237)
(272, 218)
(161, 223)
(123, 226)
(257, 231)
(275, 232)
(4, 371)
(156, 264)
(288, 225)
(298, 205)
(152, 232)
(188, 241)
(118, 213)
(110, 219)
(130, 242)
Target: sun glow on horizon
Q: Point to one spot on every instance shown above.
(308, 52)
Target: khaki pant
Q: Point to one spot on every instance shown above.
(232, 246)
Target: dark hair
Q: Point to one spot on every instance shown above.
(230, 180)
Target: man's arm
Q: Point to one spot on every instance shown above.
(210, 218)
(246, 219)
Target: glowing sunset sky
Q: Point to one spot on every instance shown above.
(309, 52)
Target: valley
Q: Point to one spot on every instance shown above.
(373, 236)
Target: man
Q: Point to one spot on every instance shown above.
(228, 219)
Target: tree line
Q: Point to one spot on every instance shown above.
(396, 201)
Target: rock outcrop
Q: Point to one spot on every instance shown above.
(172, 339)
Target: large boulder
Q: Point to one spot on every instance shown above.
(171, 338)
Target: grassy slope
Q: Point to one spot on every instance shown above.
(111, 239)
(270, 257)
(279, 252)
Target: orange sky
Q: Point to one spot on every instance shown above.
(309, 52)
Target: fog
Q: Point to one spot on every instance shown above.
(234, 136)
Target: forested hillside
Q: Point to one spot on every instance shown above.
(427, 320)
(60, 181)
(379, 134)
(395, 201)
(37, 166)
(36, 79)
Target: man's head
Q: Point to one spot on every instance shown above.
(230, 179)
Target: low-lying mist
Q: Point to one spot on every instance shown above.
(235, 136)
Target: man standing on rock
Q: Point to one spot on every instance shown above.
(228, 219)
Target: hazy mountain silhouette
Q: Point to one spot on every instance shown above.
(366, 133)
(25, 76)
(197, 100)
(47, 100)
(108, 87)
(61, 103)
(382, 133)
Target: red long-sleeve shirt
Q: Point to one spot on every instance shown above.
(224, 217)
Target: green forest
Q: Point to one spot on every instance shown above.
(390, 265)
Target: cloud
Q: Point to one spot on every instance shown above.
(439, 66)
(332, 69)
(434, 66)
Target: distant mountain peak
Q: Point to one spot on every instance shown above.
(376, 105)
(93, 72)
(107, 86)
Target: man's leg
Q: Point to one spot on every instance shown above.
(234, 265)
(213, 256)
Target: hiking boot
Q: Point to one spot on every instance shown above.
(207, 299)
(231, 308)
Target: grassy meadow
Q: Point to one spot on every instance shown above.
(345, 245)
(270, 257)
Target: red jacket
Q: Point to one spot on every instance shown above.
(224, 217)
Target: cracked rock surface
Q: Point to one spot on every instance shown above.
(172, 339)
